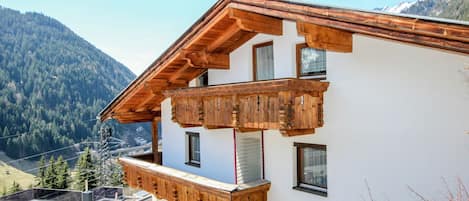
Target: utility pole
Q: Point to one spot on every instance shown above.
(104, 154)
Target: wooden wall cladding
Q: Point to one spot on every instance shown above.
(175, 187)
(294, 106)
(188, 111)
(216, 108)
(259, 111)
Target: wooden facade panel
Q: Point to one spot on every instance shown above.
(306, 113)
(187, 110)
(215, 109)
(259, 111)
(293, 106)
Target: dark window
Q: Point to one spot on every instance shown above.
(312, 168)
(193, 149)
(202, 80)
(263, 61)
(310, 61)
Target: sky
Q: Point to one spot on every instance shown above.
(136, 32)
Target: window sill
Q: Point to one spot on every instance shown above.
(312, 191)
(314, 77)
(192, 164)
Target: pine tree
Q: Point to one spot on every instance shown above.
(5, 133)
(116, 176)
(51, 174)
(41, 175)
(63, 175)
(15, 187)
(86, 171)
(4, 191)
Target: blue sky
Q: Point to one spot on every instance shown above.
(136, 32)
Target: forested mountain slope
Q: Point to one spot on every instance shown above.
(450, 9)
(52, 84)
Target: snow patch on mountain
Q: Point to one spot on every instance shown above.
(398, 8)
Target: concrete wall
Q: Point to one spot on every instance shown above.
(395, 115)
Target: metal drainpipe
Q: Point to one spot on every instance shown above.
(235, 164)
(262, 144)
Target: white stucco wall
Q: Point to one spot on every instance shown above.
(395, 115)
(216, 148)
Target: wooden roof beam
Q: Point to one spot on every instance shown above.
(325, 38)
(119, 105)
(157, 107)
(141, 106)
(156, 86)
(156, 81)
(179, 82)
(130, 117)
(181, 70)
(253, 22)
(204, 59)
(227, 34)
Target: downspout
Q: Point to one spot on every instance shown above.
(235, 165)
(262, 147)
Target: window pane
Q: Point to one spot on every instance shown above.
(265, 63)
(195, 145)
(314, 167)
(313, 61)
(202, 80)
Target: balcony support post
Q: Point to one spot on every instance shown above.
(286, 111)
(154, 131)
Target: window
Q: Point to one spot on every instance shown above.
(263, 61)
(310, 61)
(202, 80)
(311, 168)
(193, 142)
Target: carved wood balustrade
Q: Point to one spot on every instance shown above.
(174, 185)
(293, 106)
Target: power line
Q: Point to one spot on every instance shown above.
(10, 136)
(50, 151)
(40, 154)
(68, 159)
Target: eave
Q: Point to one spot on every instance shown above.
(198, 49)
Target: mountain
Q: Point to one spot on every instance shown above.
(398, 8)
(450, 9)
(53, 83)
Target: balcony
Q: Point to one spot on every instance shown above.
(293, 106)
(174, 185)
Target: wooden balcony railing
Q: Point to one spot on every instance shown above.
(174, 185)
(294, 106)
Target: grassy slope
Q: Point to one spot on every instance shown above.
(8, 174)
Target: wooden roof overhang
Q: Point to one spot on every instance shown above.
(206, 45)
(231, 23)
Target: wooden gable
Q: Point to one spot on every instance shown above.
(209, 49)
(231, 23)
